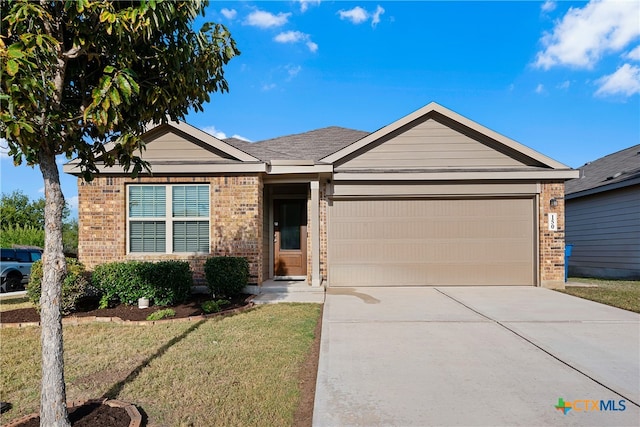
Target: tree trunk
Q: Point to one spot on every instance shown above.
(53, 407)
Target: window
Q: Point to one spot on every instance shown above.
(168, 218)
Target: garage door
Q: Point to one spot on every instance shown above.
(431, 242)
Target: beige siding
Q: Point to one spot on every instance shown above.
(173, 146)
(604, 230)
(430, 145)
(431, 242)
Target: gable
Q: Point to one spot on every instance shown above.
(168, 144)
(430, 144)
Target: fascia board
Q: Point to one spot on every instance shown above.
(182, 169)
(298, 169)
(456, 175)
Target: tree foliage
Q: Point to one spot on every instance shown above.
(83, 78)
(17, 210)
(83, 74)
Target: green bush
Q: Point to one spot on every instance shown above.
(161, 314)
(76, 285)
(165, 283)
(226, 276)
(23, 236)
(214, 306)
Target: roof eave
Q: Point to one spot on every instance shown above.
(602, 188)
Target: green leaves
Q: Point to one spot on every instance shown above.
(125, 64)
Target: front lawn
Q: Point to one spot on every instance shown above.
(237, 370)
(617, 293)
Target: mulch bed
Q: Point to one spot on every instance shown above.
(126, 312)
(93, 414)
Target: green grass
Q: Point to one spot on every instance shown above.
(14, 303)
(234, 370)
(623, 294)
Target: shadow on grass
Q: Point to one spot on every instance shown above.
(115, 390)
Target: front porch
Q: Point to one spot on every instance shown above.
(274, 291)
(291, 234)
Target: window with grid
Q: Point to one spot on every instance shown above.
(168, 218)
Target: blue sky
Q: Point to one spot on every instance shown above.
(560, 77)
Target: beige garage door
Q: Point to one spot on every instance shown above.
(431, 242)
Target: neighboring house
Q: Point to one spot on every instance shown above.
(431, 199)
(603, 217)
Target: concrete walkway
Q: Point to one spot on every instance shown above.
(472, 356)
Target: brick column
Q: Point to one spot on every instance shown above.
(551, 242)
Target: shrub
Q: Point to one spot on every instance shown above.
(226, 276)
(76, 285)
(161, 314)
(166, 282)
(24, 236)
(214, 306)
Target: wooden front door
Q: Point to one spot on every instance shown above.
(290, 239)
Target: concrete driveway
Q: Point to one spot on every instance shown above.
(475, 356)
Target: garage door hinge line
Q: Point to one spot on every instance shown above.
(540, 348)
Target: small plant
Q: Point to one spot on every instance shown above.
(226, 276)
(214, 306)
(75, 285)
(161, 314)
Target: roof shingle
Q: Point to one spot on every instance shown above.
(312, 145)
(615, 168)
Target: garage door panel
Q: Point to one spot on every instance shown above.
(431, 242)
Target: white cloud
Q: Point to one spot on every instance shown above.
(211, 130)
(304, 4)
(313, 47)
(540, 88)
(634, 54)
(296, 37)
(41, 190)
(625, 81)
(290, 37)
(548, 6)
(564, 85)
(585, 34)
(375, 18)
(357, 15)
(293, 70)
(236, 136)
(268, 86)
(262, 19)
(229, 13)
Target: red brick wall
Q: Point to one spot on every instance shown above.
(236, 221)
(551, 242)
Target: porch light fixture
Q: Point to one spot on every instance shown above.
(553, 202)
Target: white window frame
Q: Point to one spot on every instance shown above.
(168, 218)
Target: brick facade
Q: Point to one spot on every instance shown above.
(551, 245)
(235, 223)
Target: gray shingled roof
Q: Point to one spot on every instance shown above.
(312, 145)
(612, 169)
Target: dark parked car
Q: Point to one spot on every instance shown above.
(15, 267)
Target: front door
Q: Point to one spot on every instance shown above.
(290, 238)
